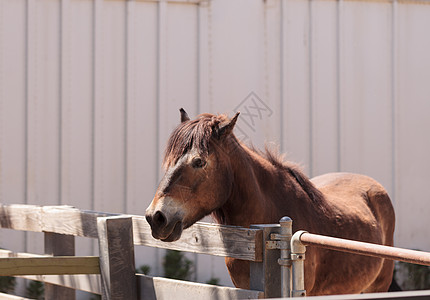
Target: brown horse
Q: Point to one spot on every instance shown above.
(209, 171)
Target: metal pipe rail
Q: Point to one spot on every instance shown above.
(362, 248)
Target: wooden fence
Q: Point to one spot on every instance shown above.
(112, 274)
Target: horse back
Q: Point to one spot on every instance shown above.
(357, 200)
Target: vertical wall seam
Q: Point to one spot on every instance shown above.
(266, 72)
(61, 100)
(67, 115)
(338, 84)
(26, 113)
(65, 156)
(96, 8)
(394, 100)
(27, 95)
(1, 102)
(93, 107)
(127, 47)
(198, 96)
(210, 56)
(35, 112)
(281, 77)
(161, 19)
(1, 109)
(28, 19)
(310, 112)
(198, 64)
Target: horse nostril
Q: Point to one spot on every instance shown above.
(149, 219)
(159, 219)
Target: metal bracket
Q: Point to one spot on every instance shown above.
(280, 237)
(298, 293)
(279, 242)
(300, 256)
(274, 245)
(284, 262)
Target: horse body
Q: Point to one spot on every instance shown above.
(214, 173)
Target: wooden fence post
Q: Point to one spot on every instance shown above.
(59, 245)
(266, 276)
(117, 266)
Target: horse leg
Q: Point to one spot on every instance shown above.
(381, 204)
(239, 272)
(384, 278)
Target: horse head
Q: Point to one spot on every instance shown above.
(198, 175)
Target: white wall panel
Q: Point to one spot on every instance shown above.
(413, 123)
(366, 90)
(178, 74)
(271, 94)
(142, 106)
(43, 108)
(237, 50)
(12, 112)
(109, 189)
(77, 109)
(77, 105)
(43, 103)
(296, 85)
(324, 87)
(246, 50)
(142, 119)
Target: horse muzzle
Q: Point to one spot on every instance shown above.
(165, 219)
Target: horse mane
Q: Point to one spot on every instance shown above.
(294, 170)
(193, 134)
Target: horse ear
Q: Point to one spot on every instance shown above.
(184, 115)
(227, 128)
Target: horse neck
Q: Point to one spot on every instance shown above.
(254, 179)
(261, 189)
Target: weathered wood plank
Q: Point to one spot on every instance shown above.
(21, 217)
(59, 244)
(72, 221)
(61, 219)
(117, 265)
(7, 253)
(86, 282)
(59, 265)
(4, 296)
(149, 287)
(90, 283)
(206, 238)
(157, 288)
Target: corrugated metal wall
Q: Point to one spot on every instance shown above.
(90, 90)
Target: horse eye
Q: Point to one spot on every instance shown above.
(198, 162)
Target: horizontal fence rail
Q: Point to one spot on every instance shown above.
(84, 282)
(58, 265)
(203, 238)
(153, 288)
(115, 232)
(393, 253)
(261, 244)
